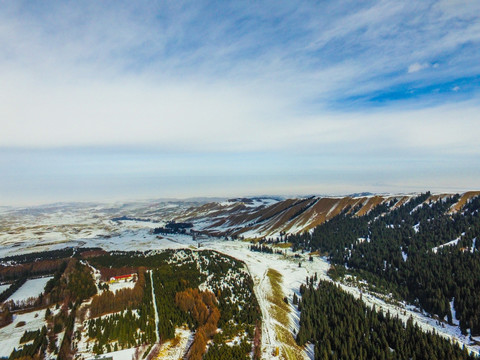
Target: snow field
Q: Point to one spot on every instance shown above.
(10, 335)
(176, 349)
(73, 227)
(114, 287)
(293, 276)
(126, 354)
(31, 288)
(258, 265)
(84, 346)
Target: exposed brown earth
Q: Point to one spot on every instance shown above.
(370, 204)
(400, 202)
(288, 216)
(463, 200)
(240, 218)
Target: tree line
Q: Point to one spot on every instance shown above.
(397, 249)
(342, 327)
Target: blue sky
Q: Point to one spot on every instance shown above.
(119, 100)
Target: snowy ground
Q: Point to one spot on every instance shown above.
(114, 287)
(293, 276)
(92, 226)
(450, 243)
(258, 264)
(423, 320)
(25, 230)
(154, 306)
(10, 335)
(4, 287)
(126, 354)
(143, 240)
(168, 351)
(31, 288)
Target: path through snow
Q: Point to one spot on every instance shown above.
(155, 308)
(293, 276)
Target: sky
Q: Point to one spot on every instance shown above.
(122, 100)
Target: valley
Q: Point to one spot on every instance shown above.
(97, 237)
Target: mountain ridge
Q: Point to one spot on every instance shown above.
(255, 217)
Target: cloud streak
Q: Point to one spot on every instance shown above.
(348, 80)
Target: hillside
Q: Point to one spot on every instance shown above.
(148, 304)
(269, 218)
(425, 252)
(412, 259)
(113, 226)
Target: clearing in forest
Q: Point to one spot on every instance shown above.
(280, 311)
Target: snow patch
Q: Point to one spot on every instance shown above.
(168, 352)
(126, 354)
(416, 208)
(450, 243)
(454, 314)
(31, 289)
(4, 287)
(116, 286)
(10, 335)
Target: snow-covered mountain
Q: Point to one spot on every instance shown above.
(113, 226)
(131, 227)
(258, 217)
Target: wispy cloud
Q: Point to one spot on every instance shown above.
(329, 77)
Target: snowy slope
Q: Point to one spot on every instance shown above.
(258, 263)
(11, 334)
(31, 288)
(115, 226)
(25, 230)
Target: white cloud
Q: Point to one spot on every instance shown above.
(245, 98)
(216, 117)
(415, 67)
(112, 78)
